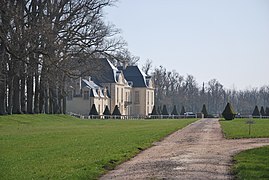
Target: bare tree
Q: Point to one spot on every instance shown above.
(44, 42)
(147, 66)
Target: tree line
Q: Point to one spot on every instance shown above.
(171, 89)
(43, 43)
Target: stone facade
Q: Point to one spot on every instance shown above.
(128, 87)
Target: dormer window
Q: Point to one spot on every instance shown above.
(105, 92)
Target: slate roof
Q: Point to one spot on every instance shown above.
(136, 76)
(108, 72)
(93, 88)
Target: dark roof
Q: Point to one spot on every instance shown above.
(135, 75)
(108, 72)
(94, 88)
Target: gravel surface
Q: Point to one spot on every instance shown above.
(198, 151)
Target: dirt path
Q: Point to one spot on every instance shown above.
(198, 151)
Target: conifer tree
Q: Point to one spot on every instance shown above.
(204, 111)
(154, 111)
(106, 112)
(256, 112)
(262, 111)
(174, 112)
(93, 111)
(116, 112)
(228, 112)
(159, 110)
(182, 112)
(267, 111)
(164, 111)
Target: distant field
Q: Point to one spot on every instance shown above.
(254, 163)
(63, 147)
(238, 128)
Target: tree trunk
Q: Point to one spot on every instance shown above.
(10, 95)
(2, 97)
(46, 100)
(23, 99)
(50, 101)
(60, 110)
(55, 100)
(3, 87)
(16, 96)
(30, 94)
(36, 95)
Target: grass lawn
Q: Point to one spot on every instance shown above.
(238, 128)
(63, 147)
(254, 163)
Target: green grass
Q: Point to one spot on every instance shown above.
(238, 128)
(63, 147)
(254, 163)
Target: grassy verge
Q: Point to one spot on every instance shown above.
(254, 163)
(63, 147)
(238, 128)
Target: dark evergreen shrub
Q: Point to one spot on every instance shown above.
(228, 112)
(164, 111)
(159, 110)
(154, 111)
(116, 112)
(262, 111)
(267, 111)
(174, 112)
(182, 112)
(204, 111)
(106, 112)
(256, 112)
(93, 112)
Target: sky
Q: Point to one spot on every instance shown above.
(227, 40)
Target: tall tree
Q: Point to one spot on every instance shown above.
(44, 42)
(164, 111)
(182, 111)
(256, 112)
(174, 111)
(262, 112)
(204, 111)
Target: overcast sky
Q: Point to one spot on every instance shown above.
(223, 39)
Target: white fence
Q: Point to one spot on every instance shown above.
(153, 116)
(133, 117)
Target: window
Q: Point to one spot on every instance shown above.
(148, 98)
(136, 100)
(117, 95)
(122, 95)
(86, 95)
(152, 98)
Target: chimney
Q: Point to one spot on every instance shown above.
(124, 65)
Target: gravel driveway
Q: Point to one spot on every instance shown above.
(198, 151)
